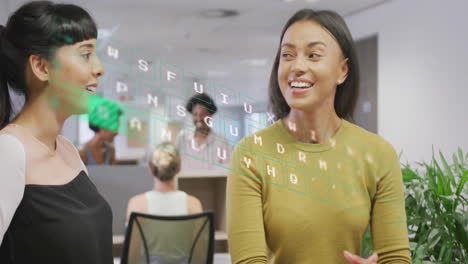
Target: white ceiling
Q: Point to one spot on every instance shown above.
(219, 49)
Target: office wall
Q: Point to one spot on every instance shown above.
(3, 14)
(17, 100)
(365, 113)
(422, 73)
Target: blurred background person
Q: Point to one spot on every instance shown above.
(164, 199)
(104, 121)
(204, 142)
(202, 146)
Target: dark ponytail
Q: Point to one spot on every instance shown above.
(36, 28)
(5, 102)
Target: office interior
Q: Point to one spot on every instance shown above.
(414, 90)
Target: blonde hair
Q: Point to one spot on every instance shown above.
(165, 161)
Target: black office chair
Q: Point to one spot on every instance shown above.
(152, 239)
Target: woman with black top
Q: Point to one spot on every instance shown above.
(50, 212)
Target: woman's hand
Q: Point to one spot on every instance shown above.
(358, 260)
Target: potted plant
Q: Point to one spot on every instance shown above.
(436, 209)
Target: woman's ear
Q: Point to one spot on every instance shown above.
(39, 67)
(343, 72)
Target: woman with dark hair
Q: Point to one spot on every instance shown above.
(203, 142)
(308, 186)
(50, 212)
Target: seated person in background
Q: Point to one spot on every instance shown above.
(104, 121)
(200, 147)
(204, 142)
(164, 199)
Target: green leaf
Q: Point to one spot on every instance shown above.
(448, 254)
(434, 237)
(462, 183)
(442, 251)
(430, 177)
(441, 183)
(447, 168)
(409, 174)
(420, 252)
(460, 187)
(460, 156)
(461, 234)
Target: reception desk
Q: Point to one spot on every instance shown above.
(119, 183)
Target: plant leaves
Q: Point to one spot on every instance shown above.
(433, 238)
(448, 171)
(460, 234)
(462, 182)
(409, 174)
(435, 203)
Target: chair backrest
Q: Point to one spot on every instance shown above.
(152, 239)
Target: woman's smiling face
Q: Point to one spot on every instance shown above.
(73, 76)
(311, 66)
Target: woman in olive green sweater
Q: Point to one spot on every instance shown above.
(307, 187)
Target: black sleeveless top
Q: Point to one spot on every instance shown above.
(60, 224)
